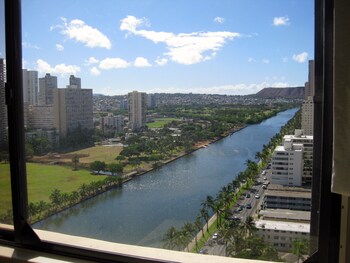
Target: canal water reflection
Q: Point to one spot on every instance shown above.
(148, 205)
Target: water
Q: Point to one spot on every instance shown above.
(148, 205)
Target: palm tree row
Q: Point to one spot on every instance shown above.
(59, 201)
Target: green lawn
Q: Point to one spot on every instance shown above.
(160, 122)
(42, 179)
(105, 154)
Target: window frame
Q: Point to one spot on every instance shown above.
(325, 214)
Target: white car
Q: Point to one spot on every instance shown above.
(215, 236)
(257, 196)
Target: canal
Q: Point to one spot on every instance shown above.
(144, 208)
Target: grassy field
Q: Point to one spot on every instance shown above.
(160, 122)
(42, 179)
(105, 154)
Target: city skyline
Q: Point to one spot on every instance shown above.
(220, 47)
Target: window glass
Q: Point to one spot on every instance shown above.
(5, 183)
(140, 123)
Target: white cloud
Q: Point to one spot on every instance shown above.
(77, 29)
(63, 69)
(29, 45)
(91, 60)
(281, 21)
(183, 48)
(219, 20)
(24, 63)
(95, 72)
(141, 62)
(266, 61)
(300, 58)
(161, 61)
(250, 60)
(59, 47)
(113, 63)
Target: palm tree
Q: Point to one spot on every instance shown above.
(187, 232)
(171, 238)
(205, 215)
(75, 161)
(300, 247)
(199, 227)
(248, 227)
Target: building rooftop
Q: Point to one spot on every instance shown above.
(289, 188)
(286, 214)
(283, 226)
(287, 193)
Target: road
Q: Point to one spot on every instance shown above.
(212, 247)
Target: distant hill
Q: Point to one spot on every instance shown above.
(290, 93)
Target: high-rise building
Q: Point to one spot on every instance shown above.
(30, 86)
(41, 117)
(74, 83)
(46, 86)
(307, 109)
(151, 101)
(112, 123)
(137, 109)
(73, 108)
(3, 110)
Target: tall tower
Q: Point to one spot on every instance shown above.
(46, 86)
(30, 87)
(73, 108)
(307, 109)
(137, 102)
(74, 82)
(3, 111)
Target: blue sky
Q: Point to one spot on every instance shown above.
(199, 46)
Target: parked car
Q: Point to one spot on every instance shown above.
(247, 195)
(248, 206)
(215, 236)
(257, 196)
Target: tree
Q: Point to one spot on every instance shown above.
(300, 247)
(205, 215)
(56, 198)
(187, 232)
(170, 239)
(75, 161)
(97, 166)
(249, 227)
(115, 168)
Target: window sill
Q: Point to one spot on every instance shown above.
(10, 254)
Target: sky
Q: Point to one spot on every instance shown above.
(233, 47)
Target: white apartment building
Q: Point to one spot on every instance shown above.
(137, 109)
(292, 199)
(307, 141)
(30, 86)
(73, 108)
(282, 234)
(46, 86)
(287, 164)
